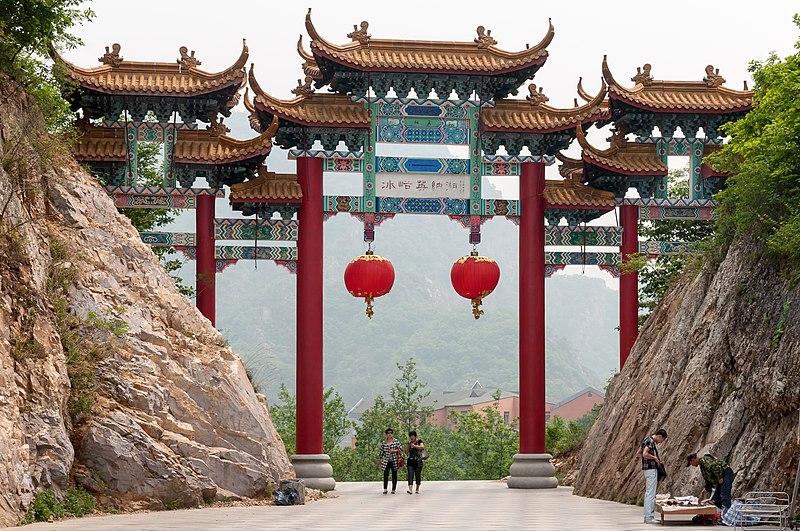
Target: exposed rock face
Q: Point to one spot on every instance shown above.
(175, 419)
(718, 366)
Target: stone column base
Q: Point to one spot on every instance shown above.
(315, 470)
(532, 471)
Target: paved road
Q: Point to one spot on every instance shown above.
(463, 505)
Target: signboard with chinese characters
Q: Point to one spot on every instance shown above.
(422, 186)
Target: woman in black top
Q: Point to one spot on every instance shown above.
(414, 450)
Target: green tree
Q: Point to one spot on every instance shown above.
(484, 443)
(763, 195)
(335, 424)
(659, 274)
(407, 395)
(27, 29)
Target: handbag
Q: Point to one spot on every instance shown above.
(661, 472)
(423, 454)
(401, 461)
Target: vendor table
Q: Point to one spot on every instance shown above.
(684, 510)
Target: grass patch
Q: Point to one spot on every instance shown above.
(46, 505)
(781, 327)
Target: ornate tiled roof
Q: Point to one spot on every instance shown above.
(571, 192)
(182, 78)
(569, 166)
(320, 109)
(534, 115)
(626, 158)
(479, 56)
(310, 66)
(705, 97)
(209, 146)
(97, 144)
(268, 186)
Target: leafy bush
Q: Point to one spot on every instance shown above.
(46, 505)
(564, 437)
(763, 195)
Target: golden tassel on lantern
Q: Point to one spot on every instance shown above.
(476, 308)
(369, 311)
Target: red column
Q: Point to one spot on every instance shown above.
(531, 310)
(206, 261)
(628, 283)
(309, 308)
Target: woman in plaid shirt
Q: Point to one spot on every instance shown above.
(390, 455)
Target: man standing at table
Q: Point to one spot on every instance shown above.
(650, 461)
(717, 475)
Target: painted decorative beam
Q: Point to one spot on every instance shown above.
(323, 154)
(678, 145)
(245, 229)
(422, 165)
(510, 164)
(168, 239)
(654, 248)
(681, 203)
(578, 258)
(237, 252)
(677, 209)
(590, 236)
(422, 130)
(158, 197)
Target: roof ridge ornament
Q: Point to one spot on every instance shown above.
(304, 89)
(217, 128)
(484, 38)
(187, 61)
(536, 98)
(643, 75)
(112, 57)
(360, 35)
(617, 138)
(713, 79)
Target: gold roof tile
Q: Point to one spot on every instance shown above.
(181, 78)
(627, 158)
(534, 115)
(96, 144)
(446, 57)
(569, 166)
(192, 146)
(705, 97)
(335, 110)
(208, 146)
(268, 186)
(571, 192)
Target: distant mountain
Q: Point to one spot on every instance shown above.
(422, 317)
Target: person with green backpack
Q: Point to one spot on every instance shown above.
(415, 449)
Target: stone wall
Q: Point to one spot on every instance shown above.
(717, 366)
(174, 418)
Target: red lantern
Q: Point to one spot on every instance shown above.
(474, 277)
(369, 276)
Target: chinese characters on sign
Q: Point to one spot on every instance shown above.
(422, 186)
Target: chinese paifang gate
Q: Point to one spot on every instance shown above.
(463, 97)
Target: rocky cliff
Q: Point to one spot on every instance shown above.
(718, 366)
(109, 378)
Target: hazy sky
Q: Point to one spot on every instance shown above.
(679, 38)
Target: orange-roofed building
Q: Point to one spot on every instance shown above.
(579, 404)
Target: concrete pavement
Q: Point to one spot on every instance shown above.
(474, 505)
